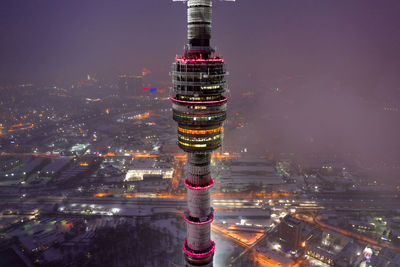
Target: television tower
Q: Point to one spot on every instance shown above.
(199, 108)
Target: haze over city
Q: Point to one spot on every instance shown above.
(89, 137)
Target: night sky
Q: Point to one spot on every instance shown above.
(47, 39)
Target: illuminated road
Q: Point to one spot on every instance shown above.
(222, 201)
(258, 257)
(37, 155)
(19, 127)
(178, 171)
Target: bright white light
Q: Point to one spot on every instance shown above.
(277, 246)
(115, 210)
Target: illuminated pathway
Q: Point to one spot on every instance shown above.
(247, 244)
(234, 237)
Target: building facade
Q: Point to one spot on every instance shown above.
(289, 231)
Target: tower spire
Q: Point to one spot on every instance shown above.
(199, 22)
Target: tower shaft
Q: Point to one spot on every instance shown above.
(199, 22)
(199, 108)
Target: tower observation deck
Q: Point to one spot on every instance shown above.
(199, 108)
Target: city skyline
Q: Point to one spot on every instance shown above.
(338, 57)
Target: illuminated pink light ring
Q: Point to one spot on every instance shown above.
(199, 223)
(199, 60)
(222, 101)
(199, 255)
(199, 188)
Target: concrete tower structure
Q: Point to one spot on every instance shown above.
(199, 108)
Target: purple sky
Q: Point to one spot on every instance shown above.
(42, 40)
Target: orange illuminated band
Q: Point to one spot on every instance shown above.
(211, 131)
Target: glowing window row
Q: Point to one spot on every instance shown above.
(197, 107)
(197, 98)
(195, 145)
(201, 139)
(212, 118)
(192, 145)
(210, 87)
(210, 131)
